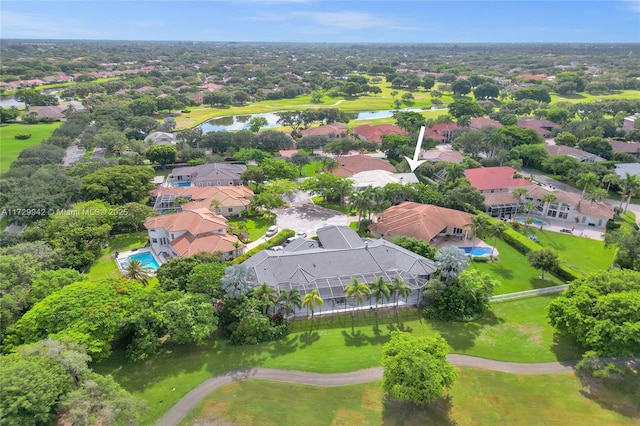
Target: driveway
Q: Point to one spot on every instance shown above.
(305, 216)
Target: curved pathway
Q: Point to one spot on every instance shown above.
(178, 411)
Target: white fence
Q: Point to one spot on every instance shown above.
(521, 294)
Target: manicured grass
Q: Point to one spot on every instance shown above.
(514, 331)
(478, 397)
(585, 97)
(256, 226)
(105, 266)
(332, 206)
(512, 270)
(11, 147)
(580, 254)
(312, 168)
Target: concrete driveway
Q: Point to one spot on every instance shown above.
(305, 216)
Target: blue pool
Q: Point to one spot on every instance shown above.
(181, 184)
(147, 259)
(536, 222)
(476, 251)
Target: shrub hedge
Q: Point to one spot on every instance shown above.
(282, 236)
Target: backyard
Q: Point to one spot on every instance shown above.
(105, 266)
(512, 331)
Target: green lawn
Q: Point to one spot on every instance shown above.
(256, 226)
(514, 331)
(312, 168)
(512, 270)
(478, 397)
(106, 266)
(332, 206)
(580, 254)
(11, 147)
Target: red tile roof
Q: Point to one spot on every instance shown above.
(228, 196)
(374, 133)
(421, 221)
(488, 178)
(480, 122)
(353, 164)
(445, 156)
(188, 245)
(196, 222)
(329, 129)
(628, 147)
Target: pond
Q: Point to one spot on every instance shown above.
(9, 101)
(241, 122)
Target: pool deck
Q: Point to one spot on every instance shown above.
(464, 242)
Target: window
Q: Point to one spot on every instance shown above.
(230, 183)
(154, 240)
(457, 231)
(172, 236)
(563, 215)
(552, 213)
(565, 207)
(219, 183)
(230, 210)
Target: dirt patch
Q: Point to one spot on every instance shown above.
(372, 399)
(213, 414)
(533, 331)
(346, 417)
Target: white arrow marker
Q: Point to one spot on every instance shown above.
(415, 162)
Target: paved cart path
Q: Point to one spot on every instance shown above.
(178, 411)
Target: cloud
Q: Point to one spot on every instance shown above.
(347, 20)
(634, 5)
(35, 25)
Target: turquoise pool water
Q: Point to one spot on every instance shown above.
(147, 259)
(181, 184)
(476, 251)
(536, 222)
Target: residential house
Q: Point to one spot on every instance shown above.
(543, 127)
(161, 138)
(330, 131)
(632, 148)
(421, 221)
(481, 122)
(380, 178)
(371, 133)
(331, 264)
(436, 155)
(54, 112)
(212, 174)
(629, 122)
(221, 200)
(578, 154)
(352, 164)
(444, 132)
(190, 232)
(489, 180)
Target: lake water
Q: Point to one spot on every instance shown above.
(9, 101)
(241, 122)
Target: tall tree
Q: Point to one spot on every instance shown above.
(630, 185)
(545, 260)
(137, 271)
(311, 300)
(238, 280)
(266, 295)
(587, 181)
(290, 300)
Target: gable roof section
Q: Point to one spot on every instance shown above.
(374, 133)
(480, 122)
(196, 222)
(211, 171)
(628, 147)
(421, 221)
(576, 153)
(188, 245)
(488, 178)
(339, 237)
(436, 155)
(202, 196)
(353, 164)
(380, 178)
(326, 130)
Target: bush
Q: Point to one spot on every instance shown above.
(611, 225)
(279, 239)
(22, 136)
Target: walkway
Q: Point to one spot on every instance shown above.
(180, 410)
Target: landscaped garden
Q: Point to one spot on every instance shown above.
(478, 397)
(513, 331)
(105, 266)
(254, 226)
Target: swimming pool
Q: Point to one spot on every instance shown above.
(476, 251)
(536, 222)
(181, 184)
(147, 259)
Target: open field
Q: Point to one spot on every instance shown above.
(585, 97)
(11, 147)
(513, 331)
(105, 266)
(478, 397)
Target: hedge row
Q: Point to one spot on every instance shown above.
(524, 245)
(279, 239)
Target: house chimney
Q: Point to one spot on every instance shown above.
(366, 245)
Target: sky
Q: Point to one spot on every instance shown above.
(355, 21)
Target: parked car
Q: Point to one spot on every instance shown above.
(277, 248)
(273, 230)
(301, 235)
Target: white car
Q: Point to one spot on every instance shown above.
(301, 235)
(273, 230)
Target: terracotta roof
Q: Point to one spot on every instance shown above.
(445, 156)
(47, 111)
(541, 126)
(188, 245)
(480, 122)
(628, 147)
(498, 198)
(374, 133)
(441, 131)
(597, 209)
(488, 178)
(421, 221)
(228, 196)
(195, 222)
(353, 164)
(288, 153)
(329, 129)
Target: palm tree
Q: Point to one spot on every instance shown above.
(587, 181)
(518, 193)
(356, 291)
(311, 300)
(380, 290)
(547, 199)
(266, 295)
(597, 194)
(361, 202)
(496, 230)
(290, 300)
(238, 280)
(399, 289)
(452, 172)
(329, 164)
(137, 271)
(630, 185)
(610, 179)
(477, 225)
(215, 206)
(528, 207)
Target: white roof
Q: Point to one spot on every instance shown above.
(380, 178)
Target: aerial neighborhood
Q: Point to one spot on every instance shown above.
(172, 213)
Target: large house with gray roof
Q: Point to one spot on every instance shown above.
(211, 174)
(331, 264)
